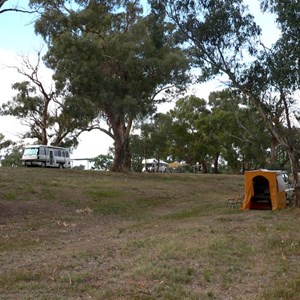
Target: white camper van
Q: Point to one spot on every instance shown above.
(46, 156)
(151, 165)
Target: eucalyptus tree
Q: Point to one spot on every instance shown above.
(50, 117)
(239, 131)
(157, 136)
(138, 152)
(114, 58)
(224, 128)
(31, 109)
(282, 62)
(223, 38)
(190, 138)
(223, 106)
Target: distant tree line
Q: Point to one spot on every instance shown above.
(223, 135)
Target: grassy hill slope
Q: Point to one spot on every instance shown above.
(67, 234)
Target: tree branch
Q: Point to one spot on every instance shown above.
(17, 10)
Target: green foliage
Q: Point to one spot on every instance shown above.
(239, 132)
(287, 46)
(219, 32)
(224, 39)
(102, 162)
(114, 59)
(157, 136)
(11, 153)
(190, 117)
(138, 149)
(12, 159)
(31, 108)
(59, 126)
(4, 143)
(225, 128)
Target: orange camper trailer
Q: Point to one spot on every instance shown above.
(264, 189)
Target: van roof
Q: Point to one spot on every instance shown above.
(36, 146)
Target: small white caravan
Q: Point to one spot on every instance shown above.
(46, 156)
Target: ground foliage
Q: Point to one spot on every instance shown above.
(67, 234)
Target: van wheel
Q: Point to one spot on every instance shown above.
(61, 166)
(43, 165)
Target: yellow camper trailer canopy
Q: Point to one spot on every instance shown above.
(264, 189)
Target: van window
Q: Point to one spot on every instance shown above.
(31, 151)
(42, 151)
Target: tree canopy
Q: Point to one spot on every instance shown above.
(50, 117)
(223, 129)
(115, 59)
(223, 38)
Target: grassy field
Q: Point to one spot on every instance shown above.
(67, 234)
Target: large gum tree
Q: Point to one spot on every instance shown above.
(113, 59)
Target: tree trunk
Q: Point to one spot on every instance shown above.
(294, 171)
(44, 117)
(204, 167)
(122, 159)
(273, 150)
(216, 164)
(44, 139)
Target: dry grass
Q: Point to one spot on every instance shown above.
(67, 234)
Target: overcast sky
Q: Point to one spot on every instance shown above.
(17, 39)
